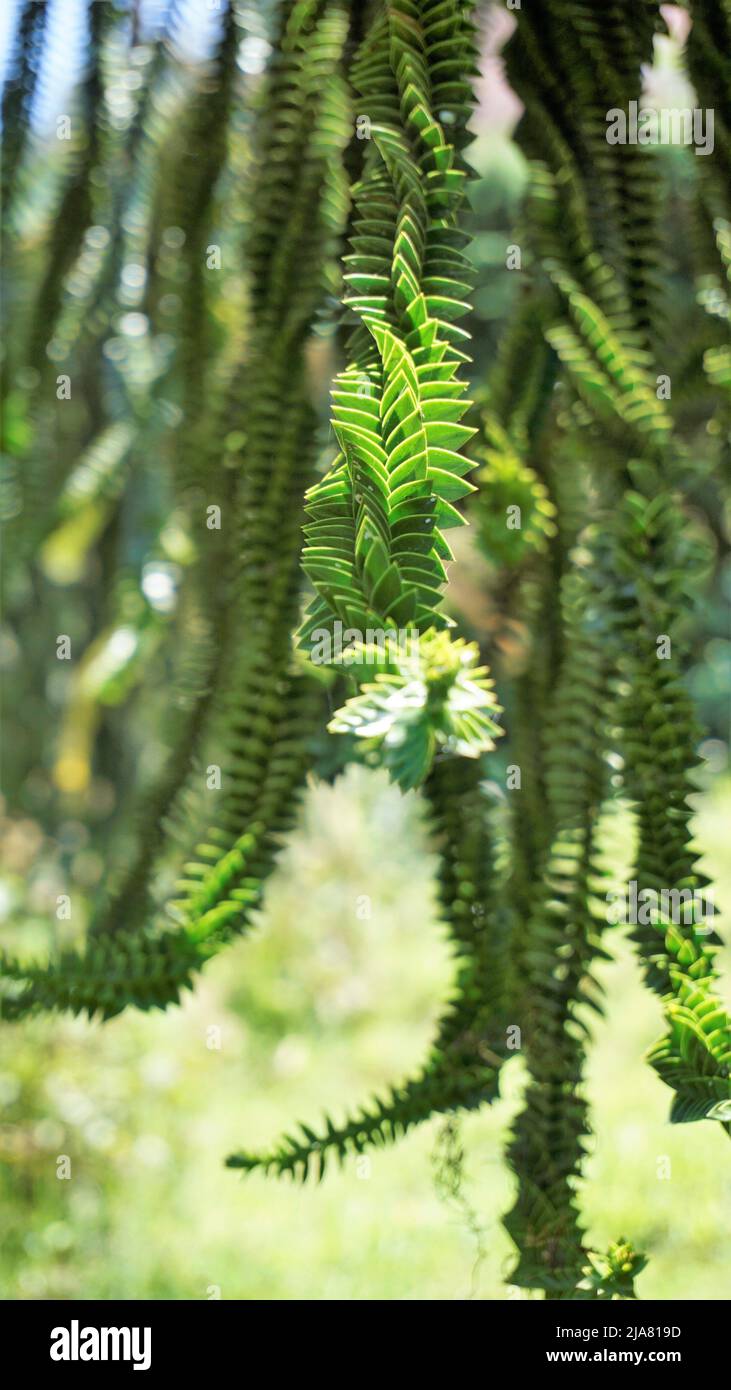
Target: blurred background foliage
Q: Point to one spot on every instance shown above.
(338, 989)
(320, 1004)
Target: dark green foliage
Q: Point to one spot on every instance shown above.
(111, 975)
(554, 955)
(257, 695)
(75, 211)
(384, 498)
(462, 1068)
(660, 733)
(264, 708)
(593, 297)
(709, 43)
(359, 126)
(196, 469)
(19, 88)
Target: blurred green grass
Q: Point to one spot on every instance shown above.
(331, 997)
